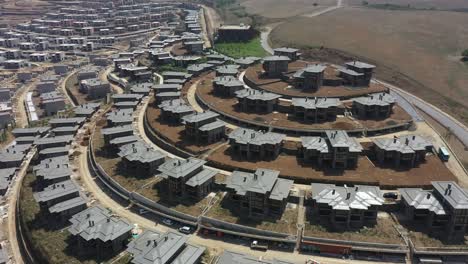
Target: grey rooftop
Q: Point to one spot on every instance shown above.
(198, 117)
(141, 152)
(228, 81)
(454, 196)
(70, 120)
(256, 95)
(347, 198)
(124, 140)
(315, 103)
(340, 139)
(98, 223)
(315, 68)
(275, 58)
(360, 64)
(167, 86)
(30, 131)
(152, 247)
(176, 106)
(176, 168)
(135, 97)
(262, 181)
(315, 143)
(422, 200)
(286, 50)
(249, 136)
(52, 140)
(117, 130)
(213, 125)
(380, 99)
(68, 204)
(56, 190)
(403, 144)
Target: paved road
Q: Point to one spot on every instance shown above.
(458, 129)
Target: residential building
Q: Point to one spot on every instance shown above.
(442, 211)
(187, 179)
(163, 248)
(259, 194)
(250, 100)
(174, 110)
(408, 150)
(309, 78)
(116, 132)
(235, 33)
(119, 117)
(67, 122)
(357, 73)
(227, 70)
(52, 142)
(95, 88)
(338, 150)
(250, 144)
(204, 127)
(141, 157)
(376, 106)
(291, 53)
(275, 66)
(315, 110)
(227, 86)
(57, 193)
(344, 208)
(97, 231)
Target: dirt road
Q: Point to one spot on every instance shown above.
(13, 199)
(21, 117)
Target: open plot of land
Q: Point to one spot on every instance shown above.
(437, 4)
(365, 173)
(224, 210)
(383, 232)
(421, 46)
(241, 49)
(283, 120)
(279, 86)
(284, 9)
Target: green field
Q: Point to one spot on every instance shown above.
(241, 49)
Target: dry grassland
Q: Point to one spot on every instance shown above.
(284, 9)
(438, 4)
(423, 45)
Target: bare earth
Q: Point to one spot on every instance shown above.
(423, 45)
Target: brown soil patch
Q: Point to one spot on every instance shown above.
(365, 173)
(228, 106)
(276, 85)
(173, 133)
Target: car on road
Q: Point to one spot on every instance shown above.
(167, 222)
(185, 230)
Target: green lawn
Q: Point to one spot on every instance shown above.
(241, 49)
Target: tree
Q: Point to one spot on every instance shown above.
(465, 53)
